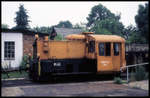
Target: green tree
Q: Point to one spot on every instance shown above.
(42, 29)
(81, 26)
(77, 26)
(5, 26)
(131, 34)
(98, 13)
(64, 24)
(58, 37)
(108, 26)
(142, 21)
(102, 21)
(21, 19)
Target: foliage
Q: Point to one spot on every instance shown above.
(147, 75)
(102, 21)
(64, 24)
(42, 29)
(77, 26)
(132, 76)
(24, 62)
(5, 26)
(21, 18)
(117, 80)
(81, 26)
(132, 35)
(98, 13)
(142, 21)
(58, 37)
(108, 26)
(15, 74)
(140, 73)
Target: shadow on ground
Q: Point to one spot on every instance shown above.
(56, 80)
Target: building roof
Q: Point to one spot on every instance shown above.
(107, 38)
(66, 31)
(27, 32)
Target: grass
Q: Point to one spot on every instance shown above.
(117, 80)
(15, 74)
(124, 82)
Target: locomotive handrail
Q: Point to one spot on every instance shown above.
(131, 66)
(134, 65)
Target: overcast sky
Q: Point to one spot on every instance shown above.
(51, 13)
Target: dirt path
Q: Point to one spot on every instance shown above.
(139, 84)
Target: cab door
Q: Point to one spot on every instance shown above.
(104, 56)
(116, 55)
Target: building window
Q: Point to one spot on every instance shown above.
(9, 50)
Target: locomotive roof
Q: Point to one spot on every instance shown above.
(107, 38)
(75, 36)
(99, 38)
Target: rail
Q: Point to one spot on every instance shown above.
(132, 66)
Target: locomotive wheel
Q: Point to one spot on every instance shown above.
(33, 76)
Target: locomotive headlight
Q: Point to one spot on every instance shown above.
(57, 64)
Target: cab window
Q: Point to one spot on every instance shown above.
(101, 49)
(104, 49)
(108, 49)
(116, 48)
(91, 46)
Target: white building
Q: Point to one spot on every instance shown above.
(11, 49)
(15, 44)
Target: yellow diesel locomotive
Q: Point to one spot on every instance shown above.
(85, 53)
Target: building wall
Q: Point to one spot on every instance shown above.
(27, 44)
(18, 39)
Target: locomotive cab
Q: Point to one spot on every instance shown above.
(108, 50)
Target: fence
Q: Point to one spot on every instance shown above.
(136, 47)
(129, 66)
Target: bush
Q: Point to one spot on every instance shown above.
(132, 75)
(132, 78)
(59, 37)
(140, 73)
(117, 80)
(147, 75)
(24, 62)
